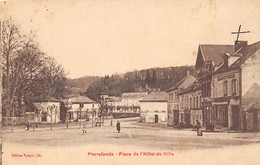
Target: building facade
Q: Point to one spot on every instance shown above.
(81, 107)
(190, 105)
(153, 108)
(48, 110)
(231, 79)
(173, 100)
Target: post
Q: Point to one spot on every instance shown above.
(79, 117)
(12, 129)
(34, 121)
(51, 118)
(92, 116)
(67, 120)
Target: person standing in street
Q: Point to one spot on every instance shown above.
(84, 129)
(118, 126)
(199, 129)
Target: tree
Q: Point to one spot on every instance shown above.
(27, 71)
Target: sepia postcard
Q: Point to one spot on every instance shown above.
(122, 82)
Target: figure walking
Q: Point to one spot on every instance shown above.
(118, 126)
(84, 130)
(199, 128)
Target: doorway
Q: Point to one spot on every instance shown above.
(156, 118)
(235, 114)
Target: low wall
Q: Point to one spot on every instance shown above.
(125, 115)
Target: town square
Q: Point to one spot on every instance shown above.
(130, 82)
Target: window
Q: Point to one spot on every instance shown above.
(225, 88)
(234, 87)
(199, 101)
(190, 103)
(208, 90)
(81, 105)
(194, 101)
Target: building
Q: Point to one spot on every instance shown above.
(130, 101)
(173, 115)
(250, 109)
(114, 104)
(48, 110)
(81, 107)
(209, 58)
(227, 73)
(153, 108)
(232, 83)
(190, 104)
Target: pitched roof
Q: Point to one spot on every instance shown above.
(114, 99)
(246, 53)
(182, 83)
(155, 97)
(45, 99)
(193, 87)
(134, 94)
(253, 91)
(251, 99)
(81, 99)
(215, 53)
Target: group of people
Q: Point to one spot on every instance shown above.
(84, 130)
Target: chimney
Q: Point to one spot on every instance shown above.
(230, 58)
(239, 45)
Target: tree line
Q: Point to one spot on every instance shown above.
(27, 72)
(147, 80)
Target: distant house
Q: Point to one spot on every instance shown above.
(81, 107)
(153, 107)
(49, 110)
(173, 104)
(130, 101)
(114, 104)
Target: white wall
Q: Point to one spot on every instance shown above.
(148, 110)
(251, 72)
(46, 107)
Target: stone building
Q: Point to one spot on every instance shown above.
(230, 73)
(173, 100)
(153, 108)
(190, 104)
(81, 107)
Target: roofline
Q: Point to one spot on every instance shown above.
(153, 101)
(202, 54)
(83, 102)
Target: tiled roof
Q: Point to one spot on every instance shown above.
(134, 95)
(215, 53)
(115, 99)
(46, 99)
(81, 99)
(193, 87)
(155, 97)
(182, 83)
(246, 53)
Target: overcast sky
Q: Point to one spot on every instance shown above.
(98, 37)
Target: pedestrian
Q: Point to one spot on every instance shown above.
(25, 127)
(118, 126)
(28, 126)
(199, 128)
(84, 128)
